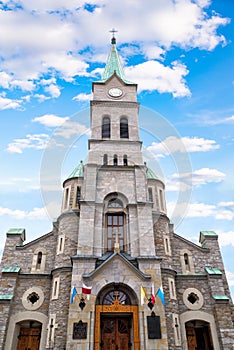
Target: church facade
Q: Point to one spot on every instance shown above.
(112, 274)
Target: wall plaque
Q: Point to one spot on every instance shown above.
(80, 330)
(154, 327)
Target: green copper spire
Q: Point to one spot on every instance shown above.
(78, 171)
(114, 65)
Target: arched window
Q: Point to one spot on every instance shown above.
(115, 230)
(39, 260)
(125, 160)
(150, 192)
(115, 203)
(105, 159)
(186, 262)
(114, 295)
(124, 128)
(78, 195)
(106, 133)
(115, 160)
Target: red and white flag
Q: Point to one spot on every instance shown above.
(85, 289)
(153, 294)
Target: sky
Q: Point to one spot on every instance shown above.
(179, 52)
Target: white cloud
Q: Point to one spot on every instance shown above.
(8, 103)
(225, 238)
(173, 144)
(227, 120)
(36, 213)
(201, 176)
(82, 97)
(17, 184)
(209, 210)
(71, 128)
(24, 85)
(41, 97)
(53, 90)
(62, 32)
(201, 210)
(51, 120)
(230, 278)
(5, 80)
(227, 205)
(153, 52)
(36, 141)
(153, 75)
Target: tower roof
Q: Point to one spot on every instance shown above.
(78, 171)
(151, 175)
(114, 65)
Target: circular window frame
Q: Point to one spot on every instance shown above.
(198, 303)
(25, 298)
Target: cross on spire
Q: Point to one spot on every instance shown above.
(113, 40)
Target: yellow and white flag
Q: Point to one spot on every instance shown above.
(143, 296)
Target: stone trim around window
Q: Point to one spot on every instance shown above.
(33, 298)
(193, 299)
(55, 288)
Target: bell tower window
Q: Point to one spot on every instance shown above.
(106, 133)
(39, 260)
(115, 160)
(105, 159)
(125, 160)
(124, 128)
(115, 230)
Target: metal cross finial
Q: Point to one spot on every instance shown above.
(113, 31)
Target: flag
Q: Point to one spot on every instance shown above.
(160, 294)
(143, 296)
(73, 294)
(152, 294)
(85, 289)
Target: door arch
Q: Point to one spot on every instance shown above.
(200, 317)
(29, 335)
(198, 335)
(116, 319)
(14, 328)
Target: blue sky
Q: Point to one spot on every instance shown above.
(180, 53)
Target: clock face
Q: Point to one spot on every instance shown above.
(115, 92)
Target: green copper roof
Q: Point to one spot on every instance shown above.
(209, 233)
(114, 65)
(16, 231)
(213, 271)
(220, 297)
(11, 269)
(151, 175)
(6, 296)
(78, 171)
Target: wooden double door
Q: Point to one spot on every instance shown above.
(115, 333)
(29, 339)
(199, 338)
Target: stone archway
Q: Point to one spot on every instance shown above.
(29, 335)
(116, 319)
(15, 324)
(198, 335)
(200, 319)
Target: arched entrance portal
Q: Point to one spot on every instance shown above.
(116, 319)
(198, 335)
(29, 335)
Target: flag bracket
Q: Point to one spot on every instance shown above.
(82, 303)
(150, 304)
